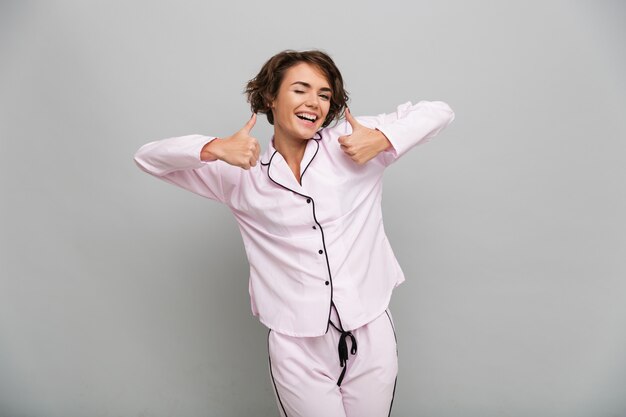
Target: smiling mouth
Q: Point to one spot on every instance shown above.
(307, 117)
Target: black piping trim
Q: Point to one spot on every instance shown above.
(394, 330)
(318, 146)
(313, 157)
(393, 396)
(272, 374)
(316, 222)
(396, 381)
(341, 329)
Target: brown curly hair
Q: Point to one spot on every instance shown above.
(263, 88)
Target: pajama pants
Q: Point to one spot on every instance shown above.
(339, 374)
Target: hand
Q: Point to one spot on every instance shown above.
(239, 149)
(363, 143)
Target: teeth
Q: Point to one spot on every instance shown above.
(309, 117)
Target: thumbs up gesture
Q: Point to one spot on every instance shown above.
(363, 143)
(239, 149)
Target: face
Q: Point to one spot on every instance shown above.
(302, 103)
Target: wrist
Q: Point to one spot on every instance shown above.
(210, 151)
(385, 143)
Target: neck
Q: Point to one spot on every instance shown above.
(291, 150)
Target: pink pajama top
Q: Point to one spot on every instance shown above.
(314, 245)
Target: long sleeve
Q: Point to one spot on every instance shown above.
(411, 125)
(177, 161)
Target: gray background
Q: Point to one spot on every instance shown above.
(121, 295)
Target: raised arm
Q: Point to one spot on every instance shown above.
(177, 161)
(196, 162)
(387, 137)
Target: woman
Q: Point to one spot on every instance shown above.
(309, 210)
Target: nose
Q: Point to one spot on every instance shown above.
(312, 101)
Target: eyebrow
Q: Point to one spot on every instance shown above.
(307, 85)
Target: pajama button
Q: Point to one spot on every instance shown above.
(308, 200)
(320, 251)
(327, 283)
(314, 227)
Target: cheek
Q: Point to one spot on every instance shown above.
(280, 113)
(326, 109)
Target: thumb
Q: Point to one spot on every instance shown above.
(249, 124)
(353, 122)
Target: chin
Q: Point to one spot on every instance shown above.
(305, 134)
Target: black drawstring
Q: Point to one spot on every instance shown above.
(343, 347)
(343, 350)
